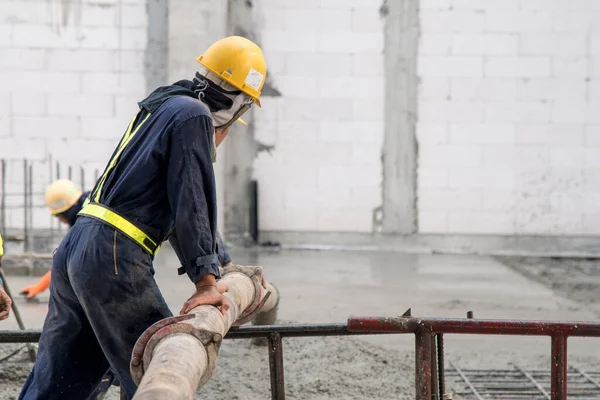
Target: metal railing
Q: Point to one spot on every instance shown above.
(429, 356)
(22, 186)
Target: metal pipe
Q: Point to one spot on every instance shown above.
(30, 205)
(23, 336)
(276, 367)
(473, 326)
(25, 208)
(558, 369)
(441, 364)
(3, 200)
(242, 332)
(253, 212)
(59, 225)
(185, 351)
(435, 394)
(49, 182)
(423, 364)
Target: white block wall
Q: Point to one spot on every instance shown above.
(70, 76)
(326, 57)
(509, 117)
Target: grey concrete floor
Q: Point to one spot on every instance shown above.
(330, 286)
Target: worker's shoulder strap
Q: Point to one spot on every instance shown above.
(131, 131)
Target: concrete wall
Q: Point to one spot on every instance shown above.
(509, 121)
(70, 75)
(324, 171)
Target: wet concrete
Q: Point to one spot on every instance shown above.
(330, 286)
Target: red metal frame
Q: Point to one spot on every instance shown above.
(425, 328)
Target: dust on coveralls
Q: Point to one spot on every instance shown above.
(103, 295)
(70, 216)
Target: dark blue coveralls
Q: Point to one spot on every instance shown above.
(70, 216)
(103, 295)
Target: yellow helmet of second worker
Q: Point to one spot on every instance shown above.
(239, 62)
(61, 195)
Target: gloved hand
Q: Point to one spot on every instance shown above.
(33, 290)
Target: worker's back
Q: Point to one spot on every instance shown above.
(138, 185)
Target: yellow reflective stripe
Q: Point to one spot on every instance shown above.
(113, 162)
(121, 224)
(1, 246)
(96, 192)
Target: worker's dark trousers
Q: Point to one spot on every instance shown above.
(103, 296)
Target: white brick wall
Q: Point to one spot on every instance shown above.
(509, 101)
(326, 58)
(70, 74)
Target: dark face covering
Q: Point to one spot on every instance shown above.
(225, 106)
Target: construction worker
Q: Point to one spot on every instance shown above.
(158, 184)
(64, 200)
(5, 301)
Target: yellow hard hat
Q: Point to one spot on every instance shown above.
(61, 195)
(239, 62)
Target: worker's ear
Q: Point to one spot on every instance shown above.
(220, 135)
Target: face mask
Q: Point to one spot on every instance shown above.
(230, 104)
(224, 118)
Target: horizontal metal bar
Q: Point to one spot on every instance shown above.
(243, 332)
(473, 326)
(295, 330)
(380, 325)
(26, 336)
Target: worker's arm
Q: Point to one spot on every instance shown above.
(224, 258)
(192, 197)
(5, 301)
(37, 288)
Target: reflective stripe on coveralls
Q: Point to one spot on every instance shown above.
(100, 212)
(104, 214)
